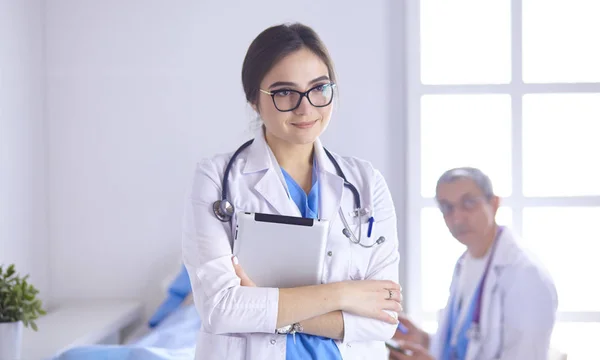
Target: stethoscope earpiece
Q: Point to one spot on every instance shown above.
(346, 232)
(353, 238)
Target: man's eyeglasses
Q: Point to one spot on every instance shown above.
(466, 204)
(289, 100)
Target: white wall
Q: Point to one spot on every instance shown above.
(23, 197)
(139, 90)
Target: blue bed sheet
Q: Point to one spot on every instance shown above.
(173, 339)
(115, 352)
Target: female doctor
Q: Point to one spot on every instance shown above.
(288, 79)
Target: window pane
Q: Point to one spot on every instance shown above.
(567, 241)
(439, 253)
(560, 144)
(560, 41)
(465, 41)
(466, 130)
(578, 340)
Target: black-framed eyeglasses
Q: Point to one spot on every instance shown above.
(289, 100)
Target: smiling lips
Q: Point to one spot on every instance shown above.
(305, 124)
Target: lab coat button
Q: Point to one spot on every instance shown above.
(330, 253)
(273, 341)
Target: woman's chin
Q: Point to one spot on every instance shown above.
(304, 136)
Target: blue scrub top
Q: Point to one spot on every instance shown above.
(308, 346)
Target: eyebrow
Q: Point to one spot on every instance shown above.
(287, 83)
(464, 197)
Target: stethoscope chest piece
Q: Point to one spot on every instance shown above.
(223, 210)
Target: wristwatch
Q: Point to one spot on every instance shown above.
(290, 329)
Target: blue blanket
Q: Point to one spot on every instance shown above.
(116, 352)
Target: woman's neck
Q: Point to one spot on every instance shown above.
(290, 155)
(296, 159)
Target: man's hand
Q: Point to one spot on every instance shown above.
(412, 334)
(417, 351)
(246, 281)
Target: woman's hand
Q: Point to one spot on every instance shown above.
(369, 298)
(239, 271)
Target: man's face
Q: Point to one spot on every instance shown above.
(468, 214)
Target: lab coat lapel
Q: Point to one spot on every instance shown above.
(273, 191)
(271, 186)
(331, 185)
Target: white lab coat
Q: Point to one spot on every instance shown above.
(239, 322)
(518, 309)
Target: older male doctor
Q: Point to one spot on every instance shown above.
(502, 302)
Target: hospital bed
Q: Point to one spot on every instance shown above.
(173, 339)
(170, 333)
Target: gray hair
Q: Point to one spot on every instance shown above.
(482, 181)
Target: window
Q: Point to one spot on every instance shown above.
(499, 86)
(571, 124)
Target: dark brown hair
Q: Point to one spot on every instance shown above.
(272, 45)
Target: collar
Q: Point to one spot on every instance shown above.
(259, 156)
(505, 254)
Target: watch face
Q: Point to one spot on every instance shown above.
(284, 329)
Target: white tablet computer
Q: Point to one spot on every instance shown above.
(280, 251)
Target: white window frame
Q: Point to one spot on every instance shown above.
(516, 201)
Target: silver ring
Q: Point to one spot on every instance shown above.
(391, 294)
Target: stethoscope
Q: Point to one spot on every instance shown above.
(224, 209)
(474, 331)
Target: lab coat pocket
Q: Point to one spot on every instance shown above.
(218, 347)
